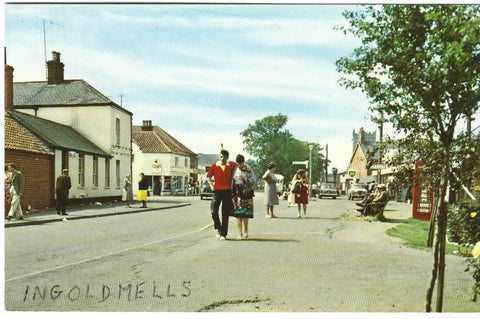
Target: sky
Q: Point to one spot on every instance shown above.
(201, 72)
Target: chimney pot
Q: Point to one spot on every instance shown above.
(147, 125)
(55, 69)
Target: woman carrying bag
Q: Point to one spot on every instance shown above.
(243, 181)
(300, 189)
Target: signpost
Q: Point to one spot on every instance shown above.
(301, 163)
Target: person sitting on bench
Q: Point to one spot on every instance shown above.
(380, 199)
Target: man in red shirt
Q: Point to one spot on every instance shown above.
(222, 172)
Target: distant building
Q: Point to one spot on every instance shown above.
(364, 138)
(89, 134)
(358, 171)
(204, 163)
(167, 164)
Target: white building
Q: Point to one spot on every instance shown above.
(107, 125)
(167, 164)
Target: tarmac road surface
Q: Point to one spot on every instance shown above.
(169, 260)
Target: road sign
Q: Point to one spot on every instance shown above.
(301, 163)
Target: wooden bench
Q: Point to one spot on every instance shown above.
(378, 209)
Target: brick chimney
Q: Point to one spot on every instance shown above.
(147, 125)
(8, 87)
(55, 69)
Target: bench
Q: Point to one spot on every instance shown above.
(375, 209)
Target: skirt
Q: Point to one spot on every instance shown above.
(142, 195)
(302, 198)
(242, 208)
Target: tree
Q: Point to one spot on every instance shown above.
(419, 66)
(269, 141)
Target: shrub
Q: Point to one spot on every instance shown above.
(473, 262)
(464, 222)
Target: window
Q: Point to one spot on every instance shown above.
(176, 161)
(81, 170)
(117, 131)
(107, 172)
(186, 162)
(117, 173)
(95, 171)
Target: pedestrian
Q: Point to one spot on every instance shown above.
(271, 196)
(243, 182)
(143, 190)
(62, 186)
(222, 192)
(127, 194)
(16, 192)
(8, 197)
(301, 197)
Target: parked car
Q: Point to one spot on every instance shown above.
(205, 190)
(327, 190)
(357, 191)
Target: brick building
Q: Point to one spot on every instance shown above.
(31, 155)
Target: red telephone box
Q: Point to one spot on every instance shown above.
(422, 194)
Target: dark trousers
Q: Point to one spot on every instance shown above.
(62, 203)
(224, 197)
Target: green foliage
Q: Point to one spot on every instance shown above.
(464, 222)
(474, 268)
(269, 141)
(420, 67)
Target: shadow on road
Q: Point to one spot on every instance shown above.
(309, 217)
(269, 240)
(393, 221)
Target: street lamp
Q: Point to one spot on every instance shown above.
(310, 170)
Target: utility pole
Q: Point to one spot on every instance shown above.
(310, 170)
(326, 163)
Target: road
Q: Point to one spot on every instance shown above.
(170, 260)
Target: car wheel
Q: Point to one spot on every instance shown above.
(334, 197)
(201, 197)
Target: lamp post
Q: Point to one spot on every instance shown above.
(326, 163)
(310, 170)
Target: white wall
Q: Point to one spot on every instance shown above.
(98, 124)
(143, 164)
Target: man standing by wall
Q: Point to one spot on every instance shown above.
(16, 191)
(62, 187)
(222, 172)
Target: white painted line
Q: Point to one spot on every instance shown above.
(107, 255)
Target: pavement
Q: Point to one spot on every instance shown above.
(96, 209)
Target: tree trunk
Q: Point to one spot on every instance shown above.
(433, 278)
(442, 235)
(438, 270)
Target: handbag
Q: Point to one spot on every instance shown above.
(297, 188)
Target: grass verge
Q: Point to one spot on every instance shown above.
(415, 234)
